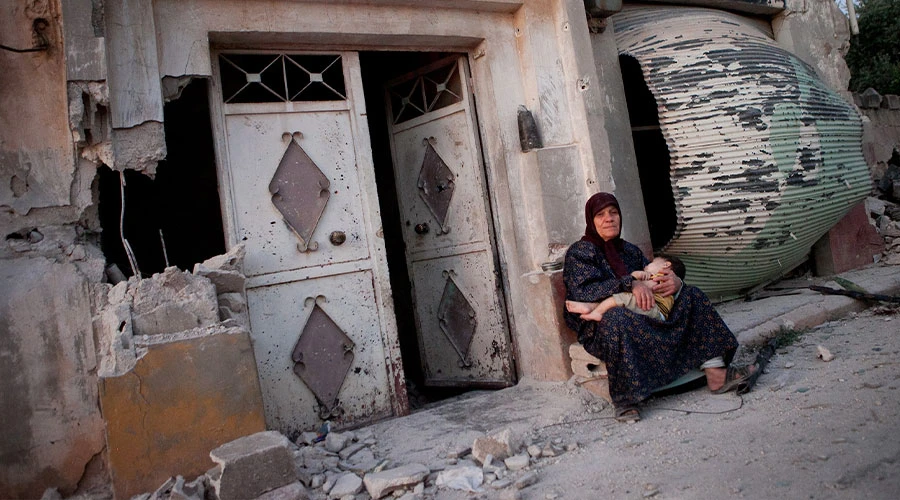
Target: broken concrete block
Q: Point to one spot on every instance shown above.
(379, 484)
(232, 260)
(346, 484)
(516, 462)
(293, 491)
(181, 399)
(335, 441)
(224, 281)
(870, 98)
(253, 465)
(891, 101)
(526, 480)
(501, 445)
(173, 301)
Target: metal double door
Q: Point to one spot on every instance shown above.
(299, 192)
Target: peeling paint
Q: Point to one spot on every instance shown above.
(765, 158)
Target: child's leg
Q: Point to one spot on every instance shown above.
(580, 307)
(597, 313)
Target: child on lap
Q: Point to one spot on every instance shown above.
(661, 307)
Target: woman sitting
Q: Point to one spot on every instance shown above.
(642, 353)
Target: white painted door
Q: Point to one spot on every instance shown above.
(460, 318)
(300, 194)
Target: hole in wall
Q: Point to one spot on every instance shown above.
(182, 201)
(651, 153)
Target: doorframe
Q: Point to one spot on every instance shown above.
(485, 116)
(491, 221)
(366, 172)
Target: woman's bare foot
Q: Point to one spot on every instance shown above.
(580, 307)
(720, 380)
(715, 378)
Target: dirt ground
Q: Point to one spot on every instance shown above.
(809, 429)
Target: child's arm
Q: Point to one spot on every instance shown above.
(641, 275)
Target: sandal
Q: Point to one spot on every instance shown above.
(735, 377)
(628, 413)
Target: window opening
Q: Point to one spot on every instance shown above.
(256, 78)
(651, 153)
(182, 201)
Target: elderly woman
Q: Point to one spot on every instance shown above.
(641, 353)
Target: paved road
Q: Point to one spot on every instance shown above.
(810, 429)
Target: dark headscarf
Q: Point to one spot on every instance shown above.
(613, 248)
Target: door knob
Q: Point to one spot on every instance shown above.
(421, 228)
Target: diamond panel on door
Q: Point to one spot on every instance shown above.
(300, 192)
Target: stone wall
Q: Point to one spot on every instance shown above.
(881, 129)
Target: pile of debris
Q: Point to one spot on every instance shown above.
(884, 214)
(344, 465)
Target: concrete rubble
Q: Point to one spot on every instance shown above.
(347, 465)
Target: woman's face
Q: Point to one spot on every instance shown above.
(607, 222)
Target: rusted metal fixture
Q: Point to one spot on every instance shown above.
(435, 185)
(764, 157)
(299, 192)
(457, 319)
(322, 358)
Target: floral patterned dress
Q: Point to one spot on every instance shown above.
(641, 353)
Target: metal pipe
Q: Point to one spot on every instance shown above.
(851, 13)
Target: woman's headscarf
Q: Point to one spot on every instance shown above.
(613, 248)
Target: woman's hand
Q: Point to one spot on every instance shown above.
(667, 284)
(643, 294)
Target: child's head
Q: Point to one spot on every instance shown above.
(673, 262)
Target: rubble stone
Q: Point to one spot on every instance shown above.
(870, 98)
(379, 484)
(891, 101)
(517, 462)
(253, 465)
(346, 484)
(293, 491)
(173, 301)
(526, 480)
(501, 445)
(335, 441)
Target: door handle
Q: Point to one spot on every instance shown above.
(421, 228)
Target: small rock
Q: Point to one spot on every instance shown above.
(501, 444)
(517, 462)
(824, 354)
(336, 441)
(548, 451)
(293, 491)
(789, 364)
(571, 446)
(381, 483)
(348, 451)
(346, 484)
(501, 483)
(534, 451)
(526, 480)
(459, 453)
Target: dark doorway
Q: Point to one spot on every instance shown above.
(651, 153)
(378, 68)
(176, 216)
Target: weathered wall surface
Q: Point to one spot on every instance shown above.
(49, 409)
(36, 168)
(818, 33)
(881, 129)
(189, 394)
